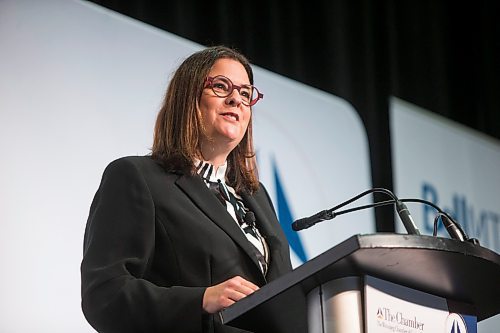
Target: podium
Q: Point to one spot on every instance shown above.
(464, 275)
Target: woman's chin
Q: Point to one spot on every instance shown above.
(231, 136)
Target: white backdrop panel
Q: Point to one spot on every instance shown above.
(81, 86)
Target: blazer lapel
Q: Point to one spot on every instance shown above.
(266, 219)
(195, 188)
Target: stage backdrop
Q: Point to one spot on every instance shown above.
(452, 166)
(81, 86)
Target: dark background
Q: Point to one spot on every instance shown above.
(440, 55)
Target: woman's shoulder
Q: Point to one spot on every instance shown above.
(141, 169)
(133, 161)
(261, 194)
(136, 164)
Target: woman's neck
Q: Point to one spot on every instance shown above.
(215, 154)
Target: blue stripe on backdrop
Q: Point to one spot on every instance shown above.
(285, 217)
(470, 323)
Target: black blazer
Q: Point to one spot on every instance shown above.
(155, 240)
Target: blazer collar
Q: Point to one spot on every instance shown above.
(195, 188)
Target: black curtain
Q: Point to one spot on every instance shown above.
(440, 55)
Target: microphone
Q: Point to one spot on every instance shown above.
(402, 210)
(453, 227)
(249, 218)
(307, 222)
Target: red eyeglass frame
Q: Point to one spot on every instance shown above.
(209, 84)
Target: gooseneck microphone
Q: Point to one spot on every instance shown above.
(324, 215)
(402, 210)
(453, 227)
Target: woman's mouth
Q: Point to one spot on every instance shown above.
(231, 116)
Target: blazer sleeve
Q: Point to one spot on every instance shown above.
(118, 246)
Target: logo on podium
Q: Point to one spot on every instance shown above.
(380, 314)
(455, 323)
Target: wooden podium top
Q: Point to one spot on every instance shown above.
(448, 268)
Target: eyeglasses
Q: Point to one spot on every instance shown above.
(223, 87)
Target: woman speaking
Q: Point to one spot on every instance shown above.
(175, 237)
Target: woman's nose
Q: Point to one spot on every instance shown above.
(234, 98)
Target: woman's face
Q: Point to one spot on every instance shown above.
(225, 119)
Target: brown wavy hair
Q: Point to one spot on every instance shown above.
(178, 130)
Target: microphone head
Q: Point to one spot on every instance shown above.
(250, 218)
(298, 225)
(307, 222)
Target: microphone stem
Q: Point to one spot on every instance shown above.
(373, 190)
(374, 205)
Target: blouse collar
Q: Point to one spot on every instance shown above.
(206, 171)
